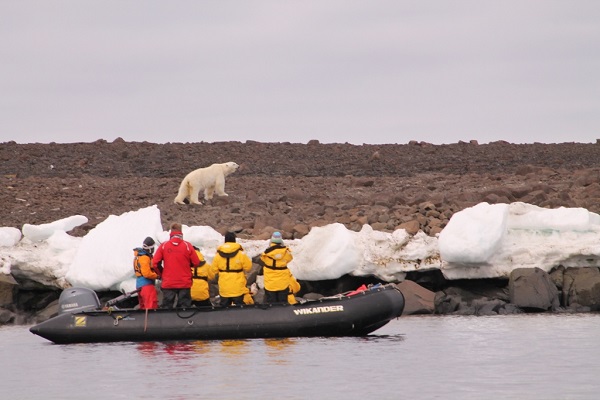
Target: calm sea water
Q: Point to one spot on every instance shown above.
(428, 357)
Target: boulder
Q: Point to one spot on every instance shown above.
(446, 303)
(6, 316)
(532, 289)
(417, 299)
(480, 297)
(300, 230)
(50, 311)
(486, 306)
(581, 286)
(7, 283)
(412, 227)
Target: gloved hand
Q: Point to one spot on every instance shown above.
(253, 289)
(260, 281)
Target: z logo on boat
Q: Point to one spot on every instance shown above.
(80, 321)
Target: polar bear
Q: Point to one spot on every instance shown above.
(211, 179)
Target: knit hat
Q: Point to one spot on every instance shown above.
(276, 238)
(148, 243)
(230, 237)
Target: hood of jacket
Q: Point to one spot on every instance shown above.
(229, 247)
(176, 233)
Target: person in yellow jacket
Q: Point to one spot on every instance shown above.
(231, 264)
(248, 299)
(201, 275)
(294, 288)
(277, 276)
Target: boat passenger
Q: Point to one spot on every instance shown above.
(248, 299)
(200, 282)
(145, 275)
(231, 264)
(294, 288)
(177, 256)
(274, 266)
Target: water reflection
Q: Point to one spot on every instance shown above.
(178, 350)
(233, 348)
(279, 350)
(384, 338)
(147, 349)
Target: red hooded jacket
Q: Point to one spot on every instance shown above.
(177, 256)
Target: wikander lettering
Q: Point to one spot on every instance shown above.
(319, 310)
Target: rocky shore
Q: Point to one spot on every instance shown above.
(293, 187)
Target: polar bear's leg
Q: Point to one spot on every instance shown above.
(183, 192)
(208, 192)
(220, 186)
(194, 192)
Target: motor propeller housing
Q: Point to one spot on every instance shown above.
(77, 299)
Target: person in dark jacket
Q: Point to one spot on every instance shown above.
(177, 257)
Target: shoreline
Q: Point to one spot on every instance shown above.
(294, 187)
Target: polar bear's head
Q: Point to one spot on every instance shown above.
(230, 167)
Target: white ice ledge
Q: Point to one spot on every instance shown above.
(484, 241)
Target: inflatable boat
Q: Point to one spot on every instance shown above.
(358, 313)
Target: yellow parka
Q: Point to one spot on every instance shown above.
(275, 260)
(231, 263)
(294, 288)
(200, 277)
(248, 299)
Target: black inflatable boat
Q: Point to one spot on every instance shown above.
(354, 314)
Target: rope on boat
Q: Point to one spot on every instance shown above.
(116, 318)
(146, 321)
(194, 312)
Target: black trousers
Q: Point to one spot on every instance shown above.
(238, 301)
(278, 296)
(201, 303)
(183, 297)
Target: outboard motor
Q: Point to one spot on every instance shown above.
(77, 299)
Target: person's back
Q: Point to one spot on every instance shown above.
(231, 264)
(293, 289)
(145, 275)
(200, 290)
(177, 256)
(277, 276)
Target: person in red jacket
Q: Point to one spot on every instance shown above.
(176, 256)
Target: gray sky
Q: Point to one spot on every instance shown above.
(337, 71)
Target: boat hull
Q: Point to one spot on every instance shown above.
(356, 315)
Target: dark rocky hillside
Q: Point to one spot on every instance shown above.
(291, 186)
